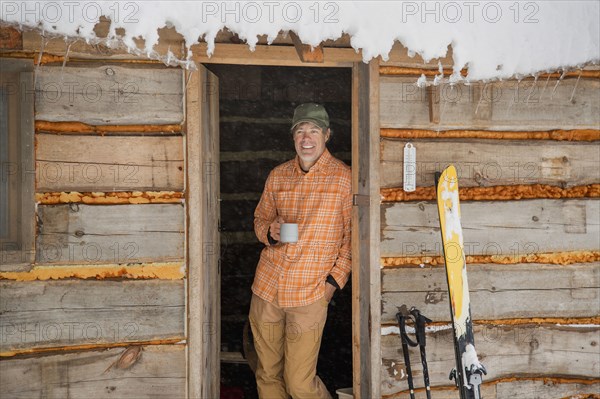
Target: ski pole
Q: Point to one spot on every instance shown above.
(405, 342)
(420, 322)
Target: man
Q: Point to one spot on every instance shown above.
(294, 282)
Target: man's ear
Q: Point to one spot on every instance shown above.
(327, 135)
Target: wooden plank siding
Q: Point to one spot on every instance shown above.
(497, 291)
(543, 389)
(494, 227)
(485, 163)
(111, 163)
(507, 105)
(77, 233)
(48, 314)
(524, 360)
(158, 373)
(508, 351)
(109, 94)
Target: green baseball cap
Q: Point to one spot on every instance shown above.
(311, 112)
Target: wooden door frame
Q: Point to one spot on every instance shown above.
(366, 272)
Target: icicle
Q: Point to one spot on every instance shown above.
(557, 82)
(575, 88)
(532, 89)
(39, 60)
(187, 81)
(546, 85)
(62, 68)
(480, 98)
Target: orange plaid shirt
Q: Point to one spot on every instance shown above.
(320, 201)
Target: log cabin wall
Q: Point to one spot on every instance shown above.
(529, 175)
(102, 311)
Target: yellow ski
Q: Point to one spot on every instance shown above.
(468, 372)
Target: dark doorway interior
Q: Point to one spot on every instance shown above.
(256, 106)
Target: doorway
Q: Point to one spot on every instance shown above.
(255, 109)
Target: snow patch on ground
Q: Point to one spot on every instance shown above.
(395, 330)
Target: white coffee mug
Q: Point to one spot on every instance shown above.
(289, 232)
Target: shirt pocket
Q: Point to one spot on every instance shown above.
(326, 253)
(284, 203)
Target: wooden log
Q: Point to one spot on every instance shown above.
(164, 271)
(10, 38)
(50, 314)
(527, 105)
(110, 198)
(96, 163)
(169, 41)
(434, 71)
(518, 388)
(271, 55)
(93, 234)
(508, 228)
(554, 258)
(495, 193)
(78, 128)
(508, 351)
(305, 52)
(493, 163)
(488, 391)
(158, 373)
(366, 280)
(546, 388)
(109, 95)
(497, 291)
(556, 134)
(202, 233)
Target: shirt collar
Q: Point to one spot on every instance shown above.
(321, 163)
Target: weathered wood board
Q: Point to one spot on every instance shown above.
(497, 291)
(92, 234)
(488, 391)
(42, 314)
(508, 105)
(109, 163)
(505, 350)
(494, 227)
(110, 94)
(158, 373)
(495, 162)
(543, 390)
(517, 389)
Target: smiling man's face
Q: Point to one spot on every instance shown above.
(309, 140)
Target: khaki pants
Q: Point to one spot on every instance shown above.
(287, 341)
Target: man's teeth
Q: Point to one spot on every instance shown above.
(308, 146)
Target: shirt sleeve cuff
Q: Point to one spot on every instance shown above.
(272, 241)
(332, 281)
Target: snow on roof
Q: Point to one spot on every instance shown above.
(493, 39)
